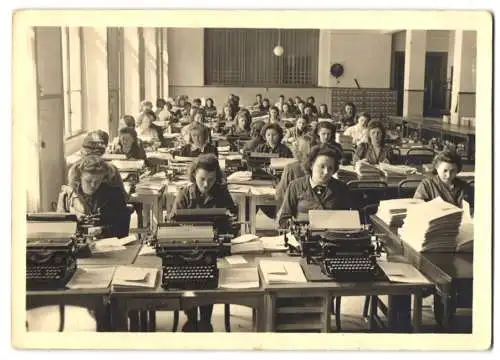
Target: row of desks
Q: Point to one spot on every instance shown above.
(113, 308)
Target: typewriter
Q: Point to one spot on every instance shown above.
(50, 250)
(277, 165)
(259, 165)
(189, 247)
(89, 229)
(345, 252)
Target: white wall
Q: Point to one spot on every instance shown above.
(131, 82)
(95, 83)
(365, 57)
(185, 59)
(150, 64)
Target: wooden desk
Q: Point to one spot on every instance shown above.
(96, 300)
(123, 302)
(311, 302)
(115, 258)
(452, 273)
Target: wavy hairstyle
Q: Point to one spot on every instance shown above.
(207, 162)
(325, 150)
(449, 156)
(92, 164)
(377, 125)
(274, 127)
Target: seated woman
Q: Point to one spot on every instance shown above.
(166, 113)
(148, 132)
(198, 142)
(294, 170)
(210, 109)
(264, 107)
(325, 133)
(206, 190)
(286, 112)
(301, 128)
(255, 134)
(91, 192)
(323, 112)
(444, 182)
(348, 115)
(128, 145)
(311, 103)
(375, 150)
(242, 125)
(273, 135)
(359, 132)
(274, 116)
(318, 190)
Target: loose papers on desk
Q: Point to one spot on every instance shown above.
(402, 273)
(396, 172)
(279, 272)
(263, 190)
(131, 277)
(368, 171)
(394, 211)
(239, 278)
(150, 185)
(240, 176)
(432, 226)
(280, 163)
(128, 165)
(91, 278)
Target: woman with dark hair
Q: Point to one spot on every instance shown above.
(128, 145)
(264, 107)
(206, 190)
(318, 190)
(91, 192)
(444, 182)
(294, 170)
(311, 102)
(256, 135)
(301, 128)
(348, 115)
(210, 109)
(198, 142)
(325, 133)
(287, 112)
(274, 116)
(273, 135)
(323, 112)
(374, 151)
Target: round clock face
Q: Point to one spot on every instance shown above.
(337, 70)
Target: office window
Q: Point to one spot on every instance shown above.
(244, 57)
(72, 77)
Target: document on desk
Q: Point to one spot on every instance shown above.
(334, 219)
(263, 190)
(244, 238)
(100, 249)
(147, 250)
(273, 242)
(91, 278)
(402, 272)
(235, 260)
(279, 272)
(128, 277)
(114, 241)
(239, 278)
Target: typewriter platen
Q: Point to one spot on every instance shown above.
(259, 165)
(50, 251)
(189, 249)
(343, 254)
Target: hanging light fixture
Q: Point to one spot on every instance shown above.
(278, 49)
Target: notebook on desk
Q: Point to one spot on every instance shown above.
(130, 277)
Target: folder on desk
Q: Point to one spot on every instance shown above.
(239, 278)
(402, 273)
(91, 278)
(130, 277)
(279, 272)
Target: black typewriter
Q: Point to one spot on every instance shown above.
(342, 254)
(89, 229)
(258, 164)
(189, 247)
(50, 250)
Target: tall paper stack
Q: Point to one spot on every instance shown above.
(394, 211)
(432, 226)
(367, 171)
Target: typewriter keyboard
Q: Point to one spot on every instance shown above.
(355, 268)
(45, 273)
(191, 277)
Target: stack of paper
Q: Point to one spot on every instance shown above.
(325, 119)
(239, 278)
(368, 171)
(279, 272)
(264, 118)
(465, 238)
(234, 157)
(159, 155)
(239, 176)
(263, 191)
(393, 211)
(91, 278)
(273, 243)
(112, 244)
(346, 173)
(109, 157)
(129, 277)
(432, 226)
(280, 163)
(128, 165)
(396, 172)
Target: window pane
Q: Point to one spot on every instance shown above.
(76, 112)
(245, 57)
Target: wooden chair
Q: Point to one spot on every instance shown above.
(407, 188)
(419, 156)
(366, 195)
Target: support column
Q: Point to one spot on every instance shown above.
(150, 65)
(463, 98)
(131, 84)
(413, 97)
(164, 59)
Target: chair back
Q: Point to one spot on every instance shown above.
(407, 188)
(419, 156)
(367, 192)
(395, 156)
(347, 156)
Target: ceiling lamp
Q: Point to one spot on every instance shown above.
(278, 50)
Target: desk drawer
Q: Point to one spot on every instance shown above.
(154, 304)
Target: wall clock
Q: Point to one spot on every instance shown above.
(337, 70)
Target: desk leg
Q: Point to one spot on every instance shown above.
(134, 321)
(269, 312)
(119, 316)
(253, 215)
(417, 312)
(241, 212)
(444, 310)
(399, 313)
(102, 310)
